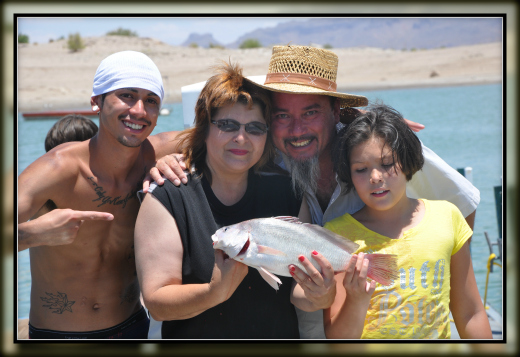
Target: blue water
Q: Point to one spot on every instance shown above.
(463, 126)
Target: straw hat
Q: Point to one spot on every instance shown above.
(307, 70)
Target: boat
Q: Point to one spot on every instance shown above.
(57, 114)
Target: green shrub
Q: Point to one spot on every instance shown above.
(122, 32)
(194, 45)
(212, 45)
(23, 38)
(250, 43)
(75, 43)
(327, 46)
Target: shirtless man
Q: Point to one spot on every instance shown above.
(84, 282)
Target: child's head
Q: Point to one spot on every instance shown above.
(72, 127)
(383, 122)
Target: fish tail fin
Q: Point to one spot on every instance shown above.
(382, 268)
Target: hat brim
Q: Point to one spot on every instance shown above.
(346, 99)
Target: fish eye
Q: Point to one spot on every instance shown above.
(225, 229)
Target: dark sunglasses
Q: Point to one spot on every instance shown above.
(230, 125)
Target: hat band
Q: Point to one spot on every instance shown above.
(297, 78)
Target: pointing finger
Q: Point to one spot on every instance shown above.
(93, 216)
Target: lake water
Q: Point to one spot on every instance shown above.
(463, 126)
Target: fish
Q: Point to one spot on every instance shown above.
(271, 244)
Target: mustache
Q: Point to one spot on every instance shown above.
(146, 122)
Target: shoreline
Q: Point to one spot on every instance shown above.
(352, 90)
(52, 78)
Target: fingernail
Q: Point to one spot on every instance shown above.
(301, 258)
(291, 273)
(176, 182)
(184, 180)
(292, 268)
(314, 252)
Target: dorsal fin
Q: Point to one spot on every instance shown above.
(289, 219)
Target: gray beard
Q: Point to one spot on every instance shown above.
(304, 173)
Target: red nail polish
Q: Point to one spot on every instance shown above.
(292, 268)
(291, 273)
(314, 252)
(301, 258)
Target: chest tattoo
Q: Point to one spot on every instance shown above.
(103, 199)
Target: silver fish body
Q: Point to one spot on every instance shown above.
(272, 244)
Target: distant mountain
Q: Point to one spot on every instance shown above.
(395, 33)
(204, 40)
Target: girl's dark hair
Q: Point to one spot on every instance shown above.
(381, 121)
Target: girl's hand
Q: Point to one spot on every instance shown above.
(355, 281)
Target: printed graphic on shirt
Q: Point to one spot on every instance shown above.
(414, 307)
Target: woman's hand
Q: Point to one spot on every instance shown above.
(319, 288)
(227, 275)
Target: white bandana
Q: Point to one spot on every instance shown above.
(127, 69)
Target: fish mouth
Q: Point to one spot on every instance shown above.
(244, 248)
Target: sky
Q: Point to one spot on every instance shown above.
(173, 31)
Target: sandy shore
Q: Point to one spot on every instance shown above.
(51, 77)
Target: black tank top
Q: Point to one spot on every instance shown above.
(255, 310)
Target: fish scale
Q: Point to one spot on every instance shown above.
(272, 244)
(295, 240)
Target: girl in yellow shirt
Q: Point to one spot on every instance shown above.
(376, 155)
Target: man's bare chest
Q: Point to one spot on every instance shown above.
(93, 193)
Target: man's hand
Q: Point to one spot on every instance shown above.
(347, 115)
(58, 227)
(171, 167)
(414, 126)
(319, 288)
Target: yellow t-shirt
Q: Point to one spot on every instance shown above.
(416, 306)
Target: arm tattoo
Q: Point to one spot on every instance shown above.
(108, 199)
(58, 303)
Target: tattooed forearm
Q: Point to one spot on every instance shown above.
(57, 303)
(108, 199)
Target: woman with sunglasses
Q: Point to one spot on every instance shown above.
(195, 290)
